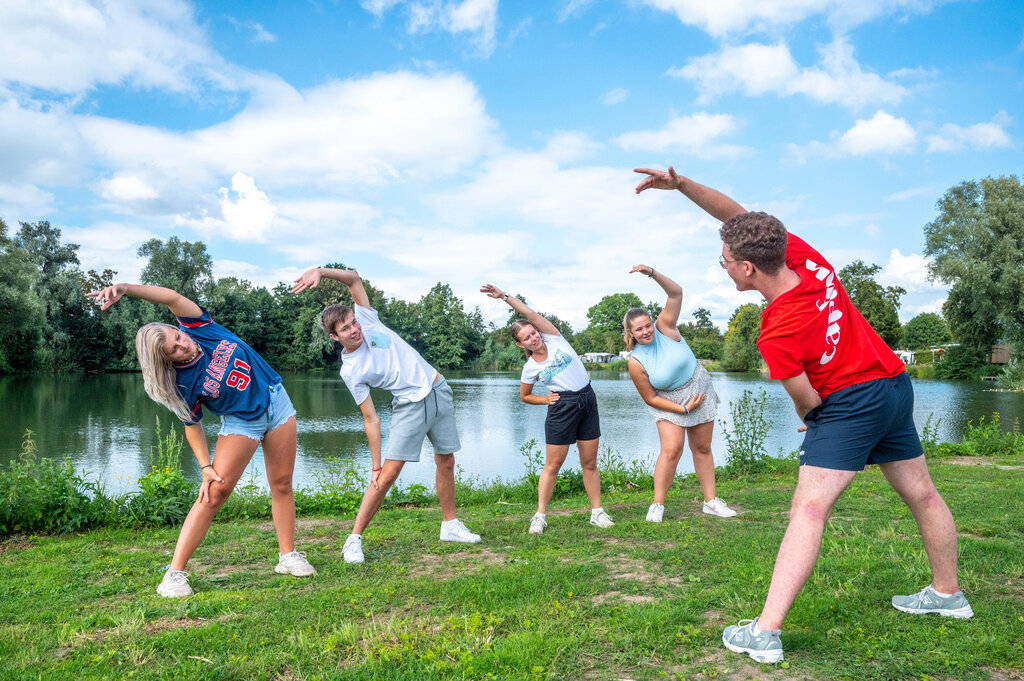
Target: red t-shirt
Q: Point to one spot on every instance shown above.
(814, 327)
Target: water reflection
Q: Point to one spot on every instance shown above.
(106, 424)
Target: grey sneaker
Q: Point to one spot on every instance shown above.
(765, 646)
(456, 531)
(928, 601)
(538, 524)
(295, 564)
(599, 517)
(656, 513)
(174, 584)
(352, 552)
(719, 508)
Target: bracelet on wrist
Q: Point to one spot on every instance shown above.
(687, 411)
(505, 298)
(374, 470)
(209, 465)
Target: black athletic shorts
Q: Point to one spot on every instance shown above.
(573, 417)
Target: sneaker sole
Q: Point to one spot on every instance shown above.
(462, 541)
(963, 613)
(166, 595)
(654, 520)
(285, 571)
(720, 515)
(766, 656)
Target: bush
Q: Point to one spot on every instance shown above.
(959, 362)
(164, 496)
(745, 442)
(1011, 376)
(44, 495)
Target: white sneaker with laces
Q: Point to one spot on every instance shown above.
(538, 524)
(294, 563)
(656, 513)
(718, 507)
(454, 530)
(600, 518)
(352, 552)
(174, 584)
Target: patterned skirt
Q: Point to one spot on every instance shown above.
(700, 382)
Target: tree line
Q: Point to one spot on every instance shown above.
(976, 246)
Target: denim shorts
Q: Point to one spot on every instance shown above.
(279, 410)
(433, 417)
(866, 423)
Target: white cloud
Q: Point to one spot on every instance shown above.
(248, 218)
(732, 16)
(908, 271)
(615, 96)
(125, 187)
(110, 245)
(478, 18)
(572, 8)
(880, 134)
(24, 202)
(990, 135)
(259, 33)
(70, 46)
(758, 69)
(911, 193)
(694, 135)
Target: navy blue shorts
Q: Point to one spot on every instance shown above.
(867, 423)
(573, 417)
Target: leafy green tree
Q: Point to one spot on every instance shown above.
(183, 266)
(447, 329)
(741, 353)
(976, 244)
(878, 304)
(22, 311)
(604, 331)
(926, 330)
(703, 336)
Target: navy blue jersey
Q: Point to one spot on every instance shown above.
(227, 376)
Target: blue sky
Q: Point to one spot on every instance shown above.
(490, 141)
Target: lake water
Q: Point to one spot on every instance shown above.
(106, 423)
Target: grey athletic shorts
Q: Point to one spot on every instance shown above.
(433, 416)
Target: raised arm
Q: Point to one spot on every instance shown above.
(669, 317)
(179, 305)
(538, 320)
(714, 202)
(311, 279)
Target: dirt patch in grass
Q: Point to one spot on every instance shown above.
(446, 565)
(149, 628)
(621, 567)
(987, 461)
(729, 666)
(616, 596)
(1005, 674)
(309, 524)
(17, 543)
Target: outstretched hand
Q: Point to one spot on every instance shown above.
(643, 269)
(309, 279)
(108, 295)
(657, 179)
(492, 291)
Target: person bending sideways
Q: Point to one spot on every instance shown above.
(200, 363)
(675, 386)
(852, 393)
(373, 356)
(572, 406)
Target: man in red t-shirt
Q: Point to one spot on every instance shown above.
(851, 391)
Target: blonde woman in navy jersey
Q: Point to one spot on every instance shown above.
(197, 364)
(678, 392)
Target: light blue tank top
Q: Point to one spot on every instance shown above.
(669, 364)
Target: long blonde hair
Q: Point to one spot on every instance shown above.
(158, 373)
(627, 322)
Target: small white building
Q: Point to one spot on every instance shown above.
(598, 357)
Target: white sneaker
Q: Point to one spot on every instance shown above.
(295, 564)
(718, 507)
(352, 552)
(456, 531)
(600, 518)
(655, 513)
(174, 584)
(538, 524)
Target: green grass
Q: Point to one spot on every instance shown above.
(637, 601)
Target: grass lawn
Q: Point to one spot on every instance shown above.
(637, 601)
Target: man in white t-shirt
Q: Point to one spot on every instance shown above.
(375, 357)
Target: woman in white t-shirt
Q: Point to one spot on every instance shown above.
(572, 406)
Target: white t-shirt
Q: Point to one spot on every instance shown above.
(562, 370)
(384, 361)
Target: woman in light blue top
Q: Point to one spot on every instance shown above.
(678, 392)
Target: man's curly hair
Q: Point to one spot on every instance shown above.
(758, 238)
